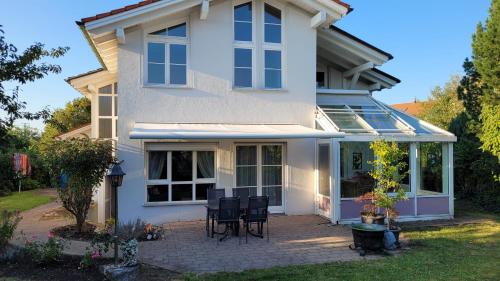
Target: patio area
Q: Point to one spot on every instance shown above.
(293, 240)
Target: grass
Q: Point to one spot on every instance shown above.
(467, 252)
(24, 200)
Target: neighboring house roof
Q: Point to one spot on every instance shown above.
(349, 35)
(80, 131)
(412, 108)
(147, 2)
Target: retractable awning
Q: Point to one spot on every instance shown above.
(226, 131)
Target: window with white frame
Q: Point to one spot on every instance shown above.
(260, 168)
(166, 56)
(107, 111)
(179, 175)
(432, 169)
(272, 47)
(243, 45)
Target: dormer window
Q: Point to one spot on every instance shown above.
(166, 54)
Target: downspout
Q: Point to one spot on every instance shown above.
(86, 34)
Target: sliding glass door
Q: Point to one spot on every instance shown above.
(260, 168)
(324, 182)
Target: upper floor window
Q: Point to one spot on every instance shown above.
(167, 56)
(243, 22)
(272, 48)
(272, 24)
(107, 111)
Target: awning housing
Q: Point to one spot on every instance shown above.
(226, 131)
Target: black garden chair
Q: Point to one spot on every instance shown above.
(257, 212)
(243, 193)
(213, 196)
(229, 215)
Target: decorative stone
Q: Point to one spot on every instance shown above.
(120, 272)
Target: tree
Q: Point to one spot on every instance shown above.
(74, 114)
(443, 104)
(388, 165)
(18, 69)
(486, 50)
(83, 162)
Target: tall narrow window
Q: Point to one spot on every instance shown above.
(272, 48)
(168, 69)
(243, 22)
(107, 111)
(273, 69)
(272, 24)
(242, 68)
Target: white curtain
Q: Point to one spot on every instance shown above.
(206, 164)
(157, 162)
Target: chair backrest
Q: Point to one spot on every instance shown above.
(243, 193)
(229, 209)
(213, 195)
(257, 208)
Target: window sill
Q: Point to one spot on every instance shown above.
(263, 90)
(177, 203)
(158, 86)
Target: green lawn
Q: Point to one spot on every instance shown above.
(470, 252)
(23, 201)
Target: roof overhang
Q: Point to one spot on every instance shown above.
(87, 83)
(185, 131)
(82, 131)
(104, 31)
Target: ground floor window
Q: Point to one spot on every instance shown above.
(179, 175)
(260, 168)
(432, 168)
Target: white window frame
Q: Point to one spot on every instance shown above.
(273, 46)
(244, 44)
(274, 209)
(167, 41)
(169, 148)
(114, 113)
(445, 171)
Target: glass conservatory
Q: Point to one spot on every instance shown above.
(429, 184)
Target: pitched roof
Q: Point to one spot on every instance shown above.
(148, 2)
(412, 108)
(68, 80)
(362, 42)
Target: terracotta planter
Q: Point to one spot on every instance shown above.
(370, 219)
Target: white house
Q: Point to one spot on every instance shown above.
(266, 94)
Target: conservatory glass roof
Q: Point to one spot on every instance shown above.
(361, 114)
(364, 114)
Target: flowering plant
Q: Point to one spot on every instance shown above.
(45, 252)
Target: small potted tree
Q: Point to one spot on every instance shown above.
(369, 212)
(387, 173)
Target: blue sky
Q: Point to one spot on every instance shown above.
(429, 40)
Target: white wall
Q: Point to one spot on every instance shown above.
(212, 100)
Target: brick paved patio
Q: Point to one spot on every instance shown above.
(293, 240)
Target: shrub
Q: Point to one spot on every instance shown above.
(131, 230)
(84, 163)
(29, 184)
(8, 224)
(45, 252)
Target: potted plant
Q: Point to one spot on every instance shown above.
(369, 213)
(128, 233)
(387, 173)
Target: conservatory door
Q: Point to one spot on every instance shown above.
(324, 179)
